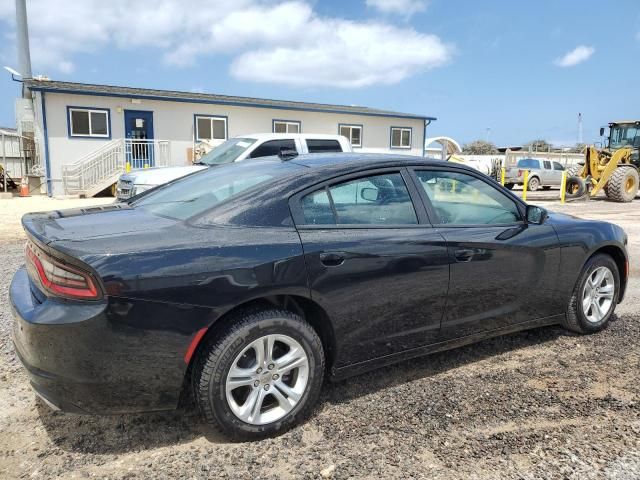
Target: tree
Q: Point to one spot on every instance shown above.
(479, 147)
(538, 145)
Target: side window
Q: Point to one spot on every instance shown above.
(316, 209)
(558, 166)
(273, 147)
(375, 200)
(547, 164)
(315, 145)
(462, 199)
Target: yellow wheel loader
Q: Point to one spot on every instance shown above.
(613, 169)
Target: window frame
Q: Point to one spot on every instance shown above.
(287, 123)
(70, 133)
(196, 116)
(297, 214)
(351, 126)
(391, 146)
(431, 211)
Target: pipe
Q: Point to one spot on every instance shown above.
(22, 36)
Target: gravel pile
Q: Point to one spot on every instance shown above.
(538, 404)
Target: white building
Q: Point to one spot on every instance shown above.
(85, 133)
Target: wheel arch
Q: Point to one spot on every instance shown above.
(311, 311)
(618, 255)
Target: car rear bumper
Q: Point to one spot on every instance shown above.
(81, 358)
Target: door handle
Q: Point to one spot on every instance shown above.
(464, 254)
(332, 259)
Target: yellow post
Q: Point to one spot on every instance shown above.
(127, 167)
(524, 187)
(146, 165)
(503, 172)
(453, 186)
(563, 186)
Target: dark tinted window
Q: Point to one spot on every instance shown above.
(547, 164)
(461, 199)
(316, 145)
(273, 147)
(375, 200)
(557, 166)
(528, 163)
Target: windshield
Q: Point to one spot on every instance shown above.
(624, 136)
(228, 151)
(201, 191)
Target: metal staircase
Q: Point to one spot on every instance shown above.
(101, 168)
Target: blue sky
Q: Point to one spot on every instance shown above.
(522, 69)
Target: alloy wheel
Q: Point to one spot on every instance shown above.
(267, 379)
(598, 294)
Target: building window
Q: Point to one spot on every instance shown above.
(211, 128)
(286, 126)
(400, 137)
(353, 133)
(88, 122)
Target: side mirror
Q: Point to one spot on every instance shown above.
(369, 194)
(601, 131)
(536, 215)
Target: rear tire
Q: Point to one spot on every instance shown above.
(533, 184)
(259, 398)
(623, 185)
(583, 316)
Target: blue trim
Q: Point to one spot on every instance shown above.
(222, 102)
(391, 138)
(202, 115)
(353, 125)
(47, 166)
(273, 124)
(90, 137)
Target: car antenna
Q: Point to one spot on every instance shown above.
(287, 153)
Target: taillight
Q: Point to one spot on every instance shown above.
(58, 278)
(519, 173)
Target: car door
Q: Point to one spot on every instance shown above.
(547, 173)
(503, 269)
(558, 168)
(375, 264)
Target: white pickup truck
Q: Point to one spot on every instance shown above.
(233, 150)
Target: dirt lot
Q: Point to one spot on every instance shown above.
(538, 404)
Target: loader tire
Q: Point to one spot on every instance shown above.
(623, 185)
(576, 187)
(573, 170)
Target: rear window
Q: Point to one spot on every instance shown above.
(317, 145)
(199, 192)
(528, 163)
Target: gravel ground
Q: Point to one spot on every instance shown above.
(537, 404)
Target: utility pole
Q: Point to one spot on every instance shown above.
(579, 128)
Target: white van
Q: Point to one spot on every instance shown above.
(233, 150)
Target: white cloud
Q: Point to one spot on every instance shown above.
(267, 41)
(405, 8)
(578, 55)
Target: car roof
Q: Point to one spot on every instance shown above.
(277, 136)
(320, 161)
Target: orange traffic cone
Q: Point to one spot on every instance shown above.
(24, 188)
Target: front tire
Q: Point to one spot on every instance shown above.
(595, 296)
(261, 375)
(533, 184)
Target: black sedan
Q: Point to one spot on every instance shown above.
(250, 283)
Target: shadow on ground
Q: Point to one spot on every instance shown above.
(126, 433)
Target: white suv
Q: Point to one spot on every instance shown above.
(233, 150)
